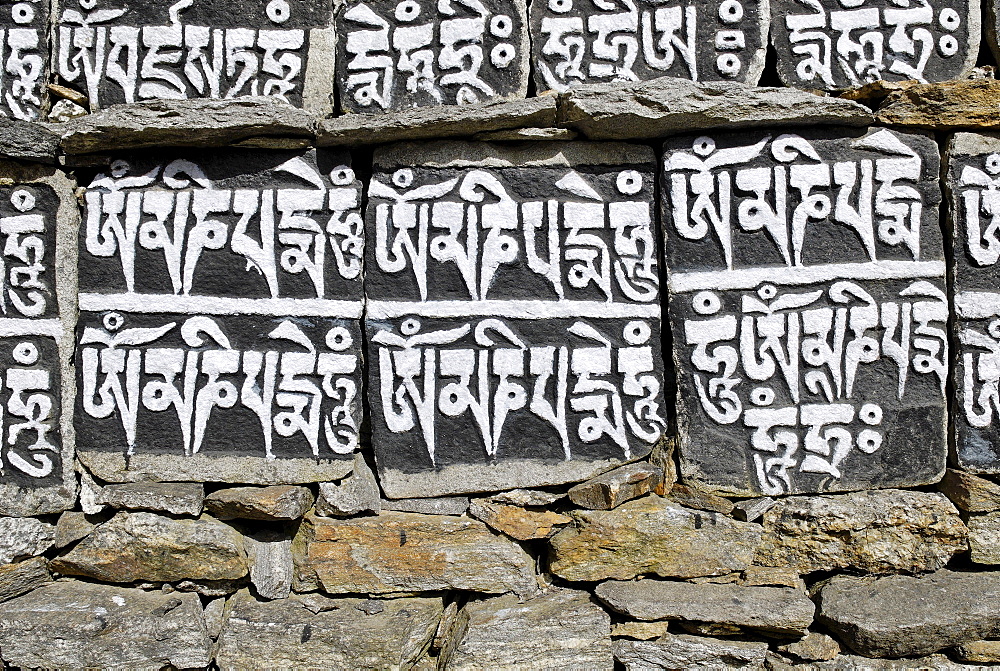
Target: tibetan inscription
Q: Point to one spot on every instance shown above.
(400, 54)
(840, 44)
(121, 52)
(220, 299)
(809, 309)
(513, 314)
(592, 41)
(24, 56)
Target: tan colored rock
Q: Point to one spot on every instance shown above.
(614, 488)
(651, 535)
(949, 105)
(978, 652)
(984, 538)
(710, 629)
(813, 647)
(662, 457)
(767, 576)
(878, 531)
(692, 497)
(969, 492)
(21, 578)
(407, 552)
(640, 631)
(143, 546)
(516, 522)
(277, 502)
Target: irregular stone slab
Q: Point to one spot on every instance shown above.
(71, 624)
(611, 489)
(394, 57)
(177, 498)
(522, 312)
(768, 576)
(24, 537)
(311, 631)
(527, 497)
(969, 492)
(830, 45)
(29, 141)
(984, 538)
(407, 552)
(874, 531)
(23, 577)
(652, 535)
(906, 616)
(562, 628)
(774, 609)
(668, 106)
(856, 663)
(692, 497)
(24, 37)
(445, 505)
(978, 652)
(145, 546)
(813, 647)
(71, 527)
(680, 651)
(822, 404)
(522, 134)
(357, 493)
(271, 567)
(962, 104)
(707, 41)
(750, 510)
(248, 311)
(278, 502)
(640, 631)
(197, 50)
(517, 522)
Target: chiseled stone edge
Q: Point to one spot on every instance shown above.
(473, 154)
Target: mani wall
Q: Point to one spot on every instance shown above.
(470, 334)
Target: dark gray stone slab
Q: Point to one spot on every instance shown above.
(512, 314)
(400, 54)
(593, 41)
(836, 44)
(115, 51)
(808, 306)
(220, 297)
(24, 46)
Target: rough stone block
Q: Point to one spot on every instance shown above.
(518, 522)
(176, 498)
(24, 41)
(984, 538)
(611, 489)
(71, 527)
(813, 647)
(229, 283)
(271, 566)
(809, 309)
(673, 651)
(978, 652)
(356, 494)
(278, 502)
(23, 577)
(445, 505)
(512, 314)
(24, 537)
(970, 493)
(956, 105)
(693, 497)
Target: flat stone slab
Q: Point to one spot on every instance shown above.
(679, 651)
(830, 45)
(188, 50)
(588, 42)
(176, 498)
(809, 309)
(512, 314)
(956, 105)
(24, 41)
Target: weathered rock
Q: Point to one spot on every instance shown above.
(969, 492)
(692, 497)
(215, 611)
(710, 629)
(877, 531)
(527, 497)
(978, 652)
(959, 104)
(905, 616)
(271, 567)
(614, 488)
(444, 505)
(984, 538)
(177, 498)
(20, 578)
(526, 134)
(776, 662)
(651, 535)
(318, 632)
(517, 522)
(277, 502)
(662, 457)
(210, 589)
(690, 652)
(407, 552)
(813, 647)
(145, 546)
(29, 141)
(667, 106)
(64, 110)
(767, 576)
(562, 628)
(641, 631)
(750, 510)
(23, 537)
(71, 527)
(83, 625)
(357, 493)
(774, 609)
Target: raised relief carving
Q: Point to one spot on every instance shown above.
(24, 58)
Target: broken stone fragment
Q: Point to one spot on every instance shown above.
(176, 498)
(24, 537)
(356, 494)
(22, 577)
(681, 651)
(750, 510)
(969, 492)
(615, 487)
(953, 105)
(527, 497)
(984, 538)
(71, 527)
(271, 567)
(517, 522)
(443, 505)
(641, 631)
(692, 497)
(813, 647)
(978, 652)
(277, 502)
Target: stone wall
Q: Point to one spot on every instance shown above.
(481, 335)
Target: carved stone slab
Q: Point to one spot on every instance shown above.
(24, 52)
(839, 44)
(118, 51)
(512, 314)
(220, 297)
(38, 219)
(401, 54)
(593, 41)
(808, 309)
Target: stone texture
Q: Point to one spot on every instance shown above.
(969, 104)
(560, 629)
(71, 527)
(651, 535)
(516, 522)
(83, 625)
(984, 538)
(526, 134)
(692, 497)
(767, 576)
(277, 502)
(22, 577)
(813, 647)
(776, 662)
(176, 498)
(641, 631)
(978, 652)
(23, 537)
(311, 631)
(774, 609)
(906, 616)
(527, 497)
(750, 510)
(667, 106)
(444, 505)
(690, 652)
(271, 566)
(969, 492)
(356, 494)
(407, 552)
(878, 531)
(29, 141)
(145, 546)
(615, 487)
(215, 611)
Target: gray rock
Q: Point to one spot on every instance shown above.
(215, 611)
(693, 497)
(177, 498)
(667, 106)
(777, 662)
(20, 578)
(443, 505)
(29, 141)
(813, 647)
(984, 538)
(64, 110)
(690, 652)
(527, 497)
(969, 492)
(271, 567)
(750, 510)
(357, 493)
(90, 495)
(71, 527)
(277, 502)
(526, 134)
(780, 610)
(311, 631)
(560, 629)
(23, 537)
(614, 488)
(82, 625)
(905, 616)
